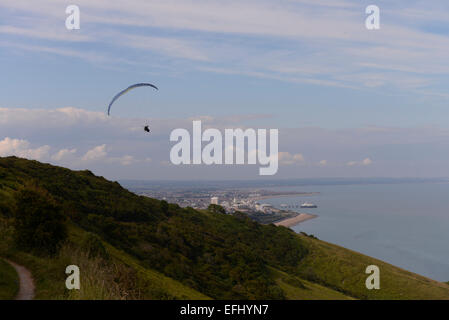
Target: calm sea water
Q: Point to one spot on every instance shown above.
(404, 224)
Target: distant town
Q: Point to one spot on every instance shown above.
(249, 201)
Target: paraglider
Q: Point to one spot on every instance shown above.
(146, 128)
(137, 85)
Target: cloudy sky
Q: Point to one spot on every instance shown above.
(348, 102)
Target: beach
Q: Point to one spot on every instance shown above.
(290, 222)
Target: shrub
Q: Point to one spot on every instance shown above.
(39, 223)
(94, 247)
(164, 206)
(215, 208)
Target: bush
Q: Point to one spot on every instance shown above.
(94, 247)
(5, 210)
(39, 223)
(164, 206)
(215, 208)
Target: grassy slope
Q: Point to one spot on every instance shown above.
(78, 191)
(328, 272)
(170, 286)
(344, 270)
(296, 288)
(50, 279)
(9, 281)
(14, 172)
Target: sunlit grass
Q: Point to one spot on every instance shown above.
(344, 270)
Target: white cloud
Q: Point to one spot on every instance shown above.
(100, 153)
(60, 117)
(63, 154)
(401, 54)
(124, 161)
(21, 148)
(288, 158)
(171, 47)
(364, 162)
(367, 162)
(127, 160)
(75, 138)
(43, 33)
(95, 154)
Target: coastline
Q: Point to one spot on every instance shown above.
(290, 221)
(281, 195)
(293, 221)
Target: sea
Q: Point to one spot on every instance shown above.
(405, 224)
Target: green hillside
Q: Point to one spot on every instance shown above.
(114, 275)
(133, 247)
(8, 281)
(296, 288)
(344, 270)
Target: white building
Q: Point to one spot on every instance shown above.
(266, 208)
(214, 200)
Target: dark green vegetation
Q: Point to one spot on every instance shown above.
(215, 208)
(218, 255)
(38, 221)
(9, 281)
(133, 247)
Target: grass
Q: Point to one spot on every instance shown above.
(343, 270)
(296, 288)
(328, 272)
(173, 288)
(9, 281)
(117, 277)
(152, 284)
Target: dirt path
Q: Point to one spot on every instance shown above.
(26, 290)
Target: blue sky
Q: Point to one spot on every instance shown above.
(347, 101)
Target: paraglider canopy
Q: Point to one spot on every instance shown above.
(137, 85)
